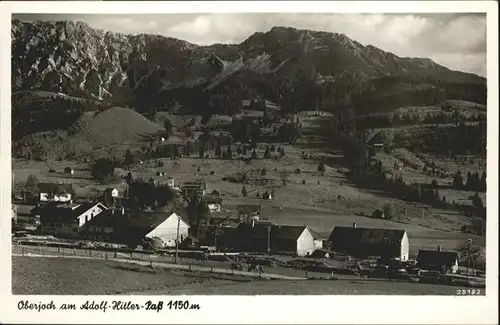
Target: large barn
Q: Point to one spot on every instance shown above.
(278, 239)
(133, 229)
(440, 261)
(367, 242)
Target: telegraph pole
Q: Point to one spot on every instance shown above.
(469, 246)
(268, 240)
(215, 238)
(177, 239)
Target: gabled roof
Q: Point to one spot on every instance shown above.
(55, 188)
(428, 257)
(212, 199)
(142, 221)
(147, 219)
(23, 209)
(277, 232)
(315, 234)
(67, 212)
(376, 137)
(368, 235)
(364, 242)
(195, 184)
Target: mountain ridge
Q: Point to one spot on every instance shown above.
(149, 72)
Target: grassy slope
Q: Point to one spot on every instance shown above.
(70, 277)
(75, 277)
(112, 130)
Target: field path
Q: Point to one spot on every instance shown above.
(196, 268)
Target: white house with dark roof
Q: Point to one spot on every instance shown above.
(279, 239)
(68, 220)
(169, 230)
(54, 192)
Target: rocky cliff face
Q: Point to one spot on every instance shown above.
(75, 59)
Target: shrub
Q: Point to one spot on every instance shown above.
(32, 182)
(388, 210)
(321, 167)
(267, 153)
(263, 172)
(218, 151)
(103, 170)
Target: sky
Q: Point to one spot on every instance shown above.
(454, 40)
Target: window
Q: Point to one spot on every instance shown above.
(75, 229)
(58, 225)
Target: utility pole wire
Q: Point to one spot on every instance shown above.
(177, 239)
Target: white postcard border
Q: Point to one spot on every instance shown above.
(262, 309)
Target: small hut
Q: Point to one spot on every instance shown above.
(69, 170)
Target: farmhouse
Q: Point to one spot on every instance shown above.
(53, 192)
(366, 242)
(171, 182)
(279, 239)
(103, 226)
(133, 229)
(152, 225)
(111, 192)
(248, 212)
(214, 203)
(67, 220)
(28, 216)
(445, 262)
(167, 230)
(377, 141)
(196, 188)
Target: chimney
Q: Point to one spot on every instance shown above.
(439, 248)
(123, 211)
(253, 223)
(354, 225)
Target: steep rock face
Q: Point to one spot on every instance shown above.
(75, 59)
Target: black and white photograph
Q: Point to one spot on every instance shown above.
(249, 153)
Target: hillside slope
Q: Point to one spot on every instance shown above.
(109, 132)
